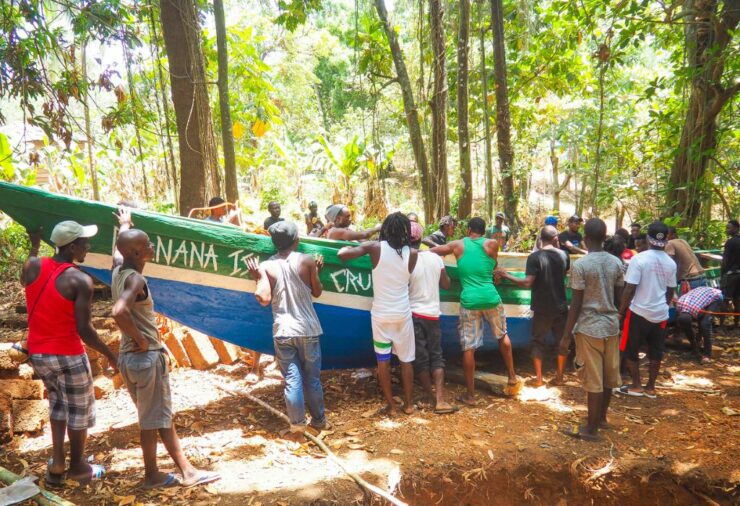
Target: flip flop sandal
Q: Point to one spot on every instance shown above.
(204, 479)
(577, 433)
(170, 481)
(53, 480)
(447, 411)
(625, 390)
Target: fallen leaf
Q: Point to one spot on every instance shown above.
(729, 411)
(355, 446)
(123, 500)
(396, 451)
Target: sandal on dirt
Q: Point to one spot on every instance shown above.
(556, 382)
(447, 410)
(650, 394)
(580, 433)
(53, 479)
(168, 482)
(204, 478)
(625, 390)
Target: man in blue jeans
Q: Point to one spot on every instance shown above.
(288, 280)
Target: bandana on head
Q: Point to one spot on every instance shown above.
(333, 211)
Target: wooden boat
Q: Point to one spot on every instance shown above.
(199, 278)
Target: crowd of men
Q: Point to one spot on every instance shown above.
(621, 289)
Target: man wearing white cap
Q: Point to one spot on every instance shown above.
(59, 299)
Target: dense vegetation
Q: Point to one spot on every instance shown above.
(625, 109)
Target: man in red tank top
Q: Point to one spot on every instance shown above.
(59, 299)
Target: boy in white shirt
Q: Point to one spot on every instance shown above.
(428, 276)
(650, 285)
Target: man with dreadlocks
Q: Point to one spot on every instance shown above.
(479, 300)
(393, 262)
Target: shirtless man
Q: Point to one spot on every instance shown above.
(341, 231)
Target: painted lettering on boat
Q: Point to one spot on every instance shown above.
(240, 262)
(188, 253)
(346, 281)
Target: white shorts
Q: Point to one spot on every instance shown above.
(395, 336)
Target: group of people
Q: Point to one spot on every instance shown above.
(59, 301)
(618, 302)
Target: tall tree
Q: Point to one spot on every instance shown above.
(708, 34)
(199, 176)
(486, 116)
(503, 116)
(410, 110)
(227, 133)
(438, 102)
(465, 206)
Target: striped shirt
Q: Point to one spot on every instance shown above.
(693, 301)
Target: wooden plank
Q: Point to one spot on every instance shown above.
(494, 383)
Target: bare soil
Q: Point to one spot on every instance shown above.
(680, 448)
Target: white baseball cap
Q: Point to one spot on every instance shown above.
(67, 231)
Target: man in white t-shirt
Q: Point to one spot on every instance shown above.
(428, 277)
(650, 285)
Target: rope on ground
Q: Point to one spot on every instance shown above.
(361, 482)
(44, 498)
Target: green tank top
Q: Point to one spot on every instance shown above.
(475, 269)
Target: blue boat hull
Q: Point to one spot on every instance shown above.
(236, 316)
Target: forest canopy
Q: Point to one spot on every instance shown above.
(625, 109)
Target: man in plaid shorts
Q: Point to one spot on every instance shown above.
(59, 299)
(479, 301)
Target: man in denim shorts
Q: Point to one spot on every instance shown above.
(479, 300)
(143, 361)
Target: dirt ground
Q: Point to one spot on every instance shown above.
(680, 448)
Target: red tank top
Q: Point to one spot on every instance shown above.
(52, 327)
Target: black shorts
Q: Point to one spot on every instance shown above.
(428, 335)
(731, 286)
(542, 325)
(638, 330)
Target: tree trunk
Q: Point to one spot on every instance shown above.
(135, 116)
(503, 116)
(198, 164)
(227, 133)
(409, 107)
(154, 36)
(438, 102)
(599, 137)
(557, 186)
(88, 127)
(465, 206)
(708, 34)
(487, 124)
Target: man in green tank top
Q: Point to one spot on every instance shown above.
(479, 301)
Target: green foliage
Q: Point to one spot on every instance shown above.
(14, 247)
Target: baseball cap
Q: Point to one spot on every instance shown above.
(657, 234)
(551, 220)
(573, 218)
(500, 215)
(67, 231)
(283, 233)
(416, 231)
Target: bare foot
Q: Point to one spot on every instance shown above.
(537, 383)
(296, 437)
(467, 400)
(557, 381)
(389, 411)
(408, 409)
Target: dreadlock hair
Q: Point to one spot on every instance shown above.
(396, 230)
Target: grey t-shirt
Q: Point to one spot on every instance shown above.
(597, 274)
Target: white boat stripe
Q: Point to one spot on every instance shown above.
(361, 302)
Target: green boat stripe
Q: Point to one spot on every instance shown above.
(382, 346)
